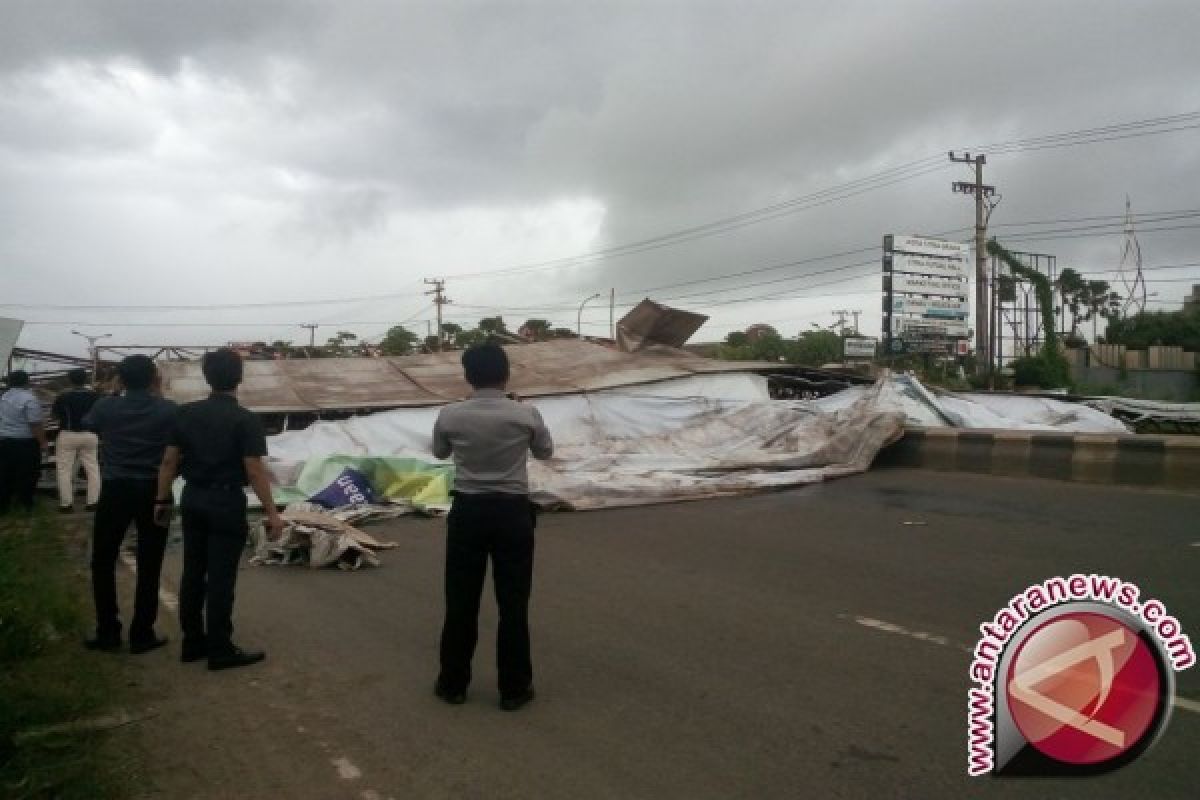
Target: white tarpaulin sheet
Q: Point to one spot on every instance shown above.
(930, 409)
(1139, 410)
(689, 438)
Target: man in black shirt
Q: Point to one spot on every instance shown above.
(74, 443)
(218, 447)
(133, 430)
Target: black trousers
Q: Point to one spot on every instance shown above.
(214, 536)
(20, 465)
(123, 502)
(501, 527)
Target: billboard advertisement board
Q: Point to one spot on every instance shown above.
(903, 327)
(858, 347)
(939, 307)
(924, 265)
(926, 246)
(922, 284)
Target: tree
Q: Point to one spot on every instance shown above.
(1170, 328)
(338, 344)
(536, 329)
(814, 348)
(737, 339)
(1086, 299)
(398, 341)
(464, 339)
(770, 346)
(492, 325)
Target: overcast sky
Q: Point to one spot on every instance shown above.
(250, 152)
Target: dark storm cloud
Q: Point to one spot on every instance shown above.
(283, 140)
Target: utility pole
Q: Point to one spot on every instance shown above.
(982, 306)
(841, 314)
(612, 306)
(312, 333)
(439, 300)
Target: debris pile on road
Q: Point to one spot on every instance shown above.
(316, 537)
(688, 438)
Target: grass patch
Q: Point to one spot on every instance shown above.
(46, 677)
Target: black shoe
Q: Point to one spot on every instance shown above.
(237, 657)
(66, 509)
(106, 644)
(453, 698)
(152, 642)
(514, 702)
(90, 507)
(193, 651)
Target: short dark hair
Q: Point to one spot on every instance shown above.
(136, 372)
(77, 376)
(18, 379)
(222, 369)
(485, 365)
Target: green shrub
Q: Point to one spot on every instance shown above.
(1044, 371)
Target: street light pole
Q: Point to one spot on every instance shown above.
(579, 316)
(92, 351)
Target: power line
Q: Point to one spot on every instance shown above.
(887, 177)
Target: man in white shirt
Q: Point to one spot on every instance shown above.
(22, 442)
(489, 436)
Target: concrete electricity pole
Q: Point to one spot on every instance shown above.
(312, 333)
(612, 308)
(439, 300)
(982, 306)
(841, 314)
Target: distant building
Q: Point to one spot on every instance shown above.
(1192, 302)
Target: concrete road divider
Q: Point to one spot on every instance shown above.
(1165, 461)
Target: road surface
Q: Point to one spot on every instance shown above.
(807, 643)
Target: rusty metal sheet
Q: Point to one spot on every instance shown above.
(650, 323)
(562, 366)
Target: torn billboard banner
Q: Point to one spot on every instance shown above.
(679, 440)
(937, 408)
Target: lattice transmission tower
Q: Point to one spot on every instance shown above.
(1130, 271)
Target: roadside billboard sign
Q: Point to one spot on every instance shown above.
(859, 347)
(923, 284)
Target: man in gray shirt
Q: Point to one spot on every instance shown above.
(489, 435)
(22, 441)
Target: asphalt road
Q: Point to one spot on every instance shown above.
(806, 643)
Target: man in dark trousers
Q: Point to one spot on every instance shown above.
(22, 442)
(75, 444)
(133, 429)
(218, 447)
(490, 435)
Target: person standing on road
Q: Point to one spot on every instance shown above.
(74, 444)
(218, 447)
(489, 436)
(132, 429)
(22, 442)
